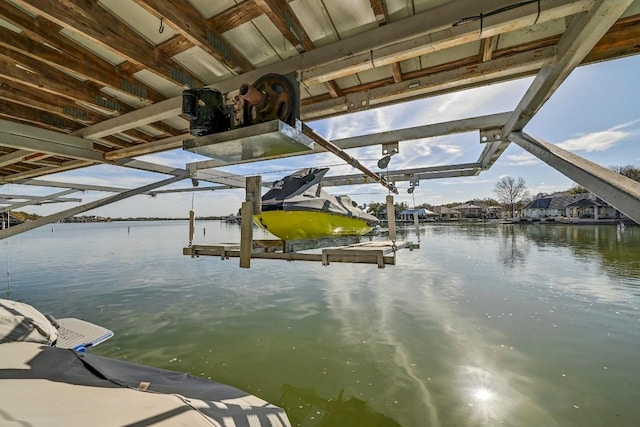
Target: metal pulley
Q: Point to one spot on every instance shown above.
(270, 97)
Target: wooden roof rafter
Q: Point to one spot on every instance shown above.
(381, 12)
(56, 86)
(42, 40)
(90, 20)
(187, 21)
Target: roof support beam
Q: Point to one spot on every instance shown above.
(80, 187)
(169, 143)
(425, 131)
(499, 69)
(8, 232)
(36, 200)
(405, 134)
(432, 172)
(434, 41)
(4, 198)
(619, 191)
(23, 137)
(579, 39)
(15, 157)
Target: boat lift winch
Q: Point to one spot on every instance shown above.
(260, 121)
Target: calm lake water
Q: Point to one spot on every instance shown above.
(483, 325)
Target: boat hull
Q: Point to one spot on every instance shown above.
(297, 225)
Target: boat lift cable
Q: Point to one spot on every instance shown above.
(8, 295)
(329, 146)
(192, 216)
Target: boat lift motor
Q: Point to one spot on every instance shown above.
(270, 97)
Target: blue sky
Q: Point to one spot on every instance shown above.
(595, 113)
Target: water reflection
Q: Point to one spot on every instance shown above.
(514, 247)
(305, 407)
(612, 249)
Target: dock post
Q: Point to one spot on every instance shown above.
(252, 206)
(246, 235)
(391, 218)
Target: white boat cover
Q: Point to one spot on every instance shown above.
(42, 385)
(22, 322)
(302, 191)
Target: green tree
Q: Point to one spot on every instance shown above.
(511, 191)
(629, 171)
(577, 189)
(376, 208)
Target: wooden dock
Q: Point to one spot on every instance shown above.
(380, 252)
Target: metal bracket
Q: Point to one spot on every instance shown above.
(390, 148)
(490, 135)
(357, 101)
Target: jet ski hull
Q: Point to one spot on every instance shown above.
(296, 225)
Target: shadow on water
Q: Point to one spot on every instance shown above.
(304, 405)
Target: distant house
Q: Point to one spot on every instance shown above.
(469, 210)
(423, 214)
(571, 206)
(495, 212)
(446, 213)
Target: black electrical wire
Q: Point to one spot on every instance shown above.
(481, 16)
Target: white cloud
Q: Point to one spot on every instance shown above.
(598, 141)
(521, 159)
(453, 150)
(545, 188)
(466, 181)
(365, 122)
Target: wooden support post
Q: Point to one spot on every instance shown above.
(254, 193)
(416, 222)
(246, 235)
(192, 225)
(251, 206)
(391, 218)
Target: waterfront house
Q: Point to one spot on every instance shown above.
(423, 214)
(446, 213)
(469, 210)
(565, 206)
(495, 212)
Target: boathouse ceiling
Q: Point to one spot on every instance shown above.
(85, 82)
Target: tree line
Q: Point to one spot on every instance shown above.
(510, 192)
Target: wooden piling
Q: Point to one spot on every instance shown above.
(391, 217)
(251, 206)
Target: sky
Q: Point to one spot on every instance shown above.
(595, 114)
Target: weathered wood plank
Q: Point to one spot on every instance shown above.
(186, 20)
(89, 19)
